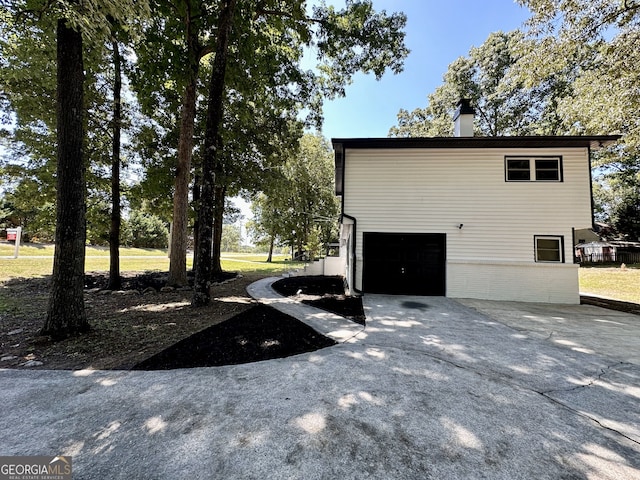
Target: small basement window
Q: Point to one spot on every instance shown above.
(537, 169)
(549, 248)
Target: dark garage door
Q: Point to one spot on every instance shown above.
(404, 263)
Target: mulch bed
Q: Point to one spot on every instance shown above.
(260, 333)
(326, 293)
(149, 326)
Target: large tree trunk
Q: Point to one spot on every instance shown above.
(114, 231)
(218, 219)
(211, 156)
(66, 314)
(178, 256)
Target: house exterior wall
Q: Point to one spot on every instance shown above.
(328, 266)
(492, 256)
(586, 235)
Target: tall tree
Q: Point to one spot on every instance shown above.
(178, 257)
(114, 230)
(299, 202)
(212, 151)
(353, 39)
(169, 58)
(266, 225)
(66, 314)
(600, 39)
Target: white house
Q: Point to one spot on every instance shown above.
(463, 216)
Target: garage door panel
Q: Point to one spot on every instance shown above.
(404, 263)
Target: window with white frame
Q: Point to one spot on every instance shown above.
(549, 248)
(533, 169)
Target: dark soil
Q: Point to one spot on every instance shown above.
(309, 285)
(147, 326)
(326, 293)
(260, 333)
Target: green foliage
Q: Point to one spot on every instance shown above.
(28, 86)
(617, 197)
(504, 105)
(269, 97)
(98, 221)
(314, 243)
(300, 202)
(598, 40)
(625, 217)
(231, 238)
(354, 39)
(266, 222)
(144, 230)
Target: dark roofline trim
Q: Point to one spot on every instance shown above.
(592, 141)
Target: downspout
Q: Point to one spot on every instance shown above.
(593, 205)
(340, 175)
(353, 254)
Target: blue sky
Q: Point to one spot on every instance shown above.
(437, 32)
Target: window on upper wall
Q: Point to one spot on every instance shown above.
(549, 248)
(533, 169)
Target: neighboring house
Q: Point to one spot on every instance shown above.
(466, 217)
(587, 235)
(597, 233)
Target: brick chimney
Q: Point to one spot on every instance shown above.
(463, 119)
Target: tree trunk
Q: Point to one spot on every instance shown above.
(66, 314)
(114, 231)
(271, 244)
(196, 223)
(218, 219)
(178, 257)
(211, 155)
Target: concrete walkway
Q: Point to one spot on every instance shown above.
(430, 389)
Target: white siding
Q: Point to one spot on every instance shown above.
(328, 266)
(436, 190)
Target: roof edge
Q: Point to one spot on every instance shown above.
(594, 142)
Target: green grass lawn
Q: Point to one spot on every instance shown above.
(35, 249)
(36, 261)
(612, 282)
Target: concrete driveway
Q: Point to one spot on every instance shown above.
(430, 389)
